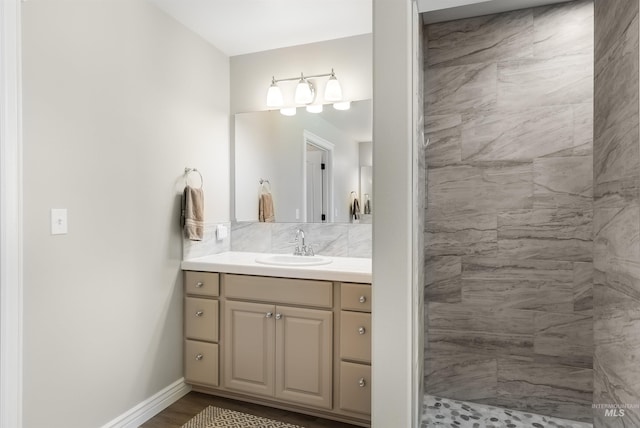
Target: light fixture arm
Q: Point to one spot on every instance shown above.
(302, 76)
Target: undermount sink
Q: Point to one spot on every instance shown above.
(290, 260)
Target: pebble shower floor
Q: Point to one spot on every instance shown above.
(442, 412)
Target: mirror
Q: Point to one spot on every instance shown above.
(316, 166)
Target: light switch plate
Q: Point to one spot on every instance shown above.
(58, 221)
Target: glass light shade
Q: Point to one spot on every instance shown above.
(274, 96)
(333, 90)
(314, 108)
(345, 105)
(304, 92)
(288, 111)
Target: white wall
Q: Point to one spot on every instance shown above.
(351, 57)
(118, 100)
(392, 308)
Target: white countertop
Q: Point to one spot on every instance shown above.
(344, 269)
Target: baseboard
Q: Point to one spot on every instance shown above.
(150, 407)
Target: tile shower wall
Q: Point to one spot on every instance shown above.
(327, 239)
(508, 238)
(616, 213)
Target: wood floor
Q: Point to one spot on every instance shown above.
(193, 403)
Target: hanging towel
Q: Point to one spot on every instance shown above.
(355, 209)
(193, 213)
(266, 213)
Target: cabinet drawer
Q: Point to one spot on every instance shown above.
(355, 387)
(279, 290)
(355, 297)
(355, 336)
(201, 362)
(201, 319)
(202, 283)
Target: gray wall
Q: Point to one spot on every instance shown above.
(616, 212)
(118, 100)
(508, 104)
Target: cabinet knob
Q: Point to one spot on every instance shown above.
(362, 383)
(199, 357)
(361, 330)
(268, 315)
(279, 316)
(199, 284)
(199, 313)
(362, 299)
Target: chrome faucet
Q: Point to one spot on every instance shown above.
(301, 248)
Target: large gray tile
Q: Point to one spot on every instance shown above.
(443, 133)
(518, 135)
(479, 188)
(582, 129)
(615, 150)
(564, 29)
(565, 335)
(543, 82)
(443, 279)
(564, 182)
(481, 342)
(583, 287)
(547, 389)
(519, 284)
(616, 235)
(462, 376)
(457, 89)
(472, 318)
(612, 20)
(546, 234)
(487, 38)
(462, 234)
(617, 352)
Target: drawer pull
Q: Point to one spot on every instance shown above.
(362, 299)
(279, 316)
(199, 357)
(199, 313)
(361, 330)
(268, 315)
(199, 284)
(362, 383)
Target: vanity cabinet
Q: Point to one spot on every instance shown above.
(279, 351)
(355, 348)
(201, 312)
(299, 344)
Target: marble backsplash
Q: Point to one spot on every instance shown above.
(327, 239)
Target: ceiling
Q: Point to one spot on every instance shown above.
(448, 10)
(238, 27)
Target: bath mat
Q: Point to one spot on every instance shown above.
(214, 417)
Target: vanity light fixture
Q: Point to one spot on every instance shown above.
(344, 105)
(305, 92)
(288, 111)
(274, 95)
(314, 108)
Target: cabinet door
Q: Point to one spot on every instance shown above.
(249, 347)
(304, 355)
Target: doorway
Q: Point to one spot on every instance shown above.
(317, 186)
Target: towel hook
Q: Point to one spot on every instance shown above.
(188, 171)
